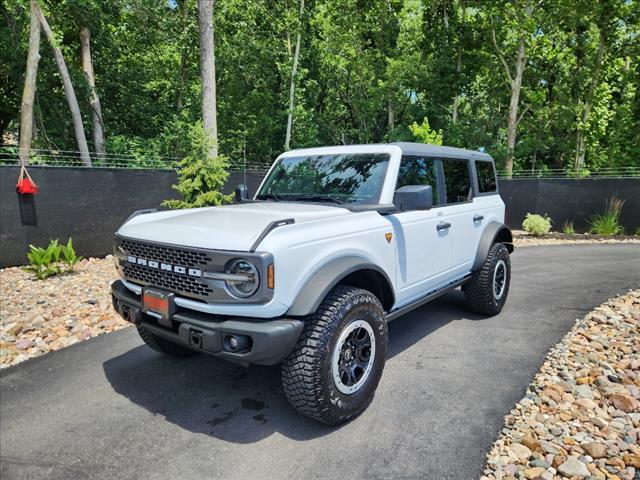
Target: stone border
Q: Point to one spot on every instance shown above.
(580, 417)
(524, 239)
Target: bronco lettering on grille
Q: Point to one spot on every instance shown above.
(192, 272)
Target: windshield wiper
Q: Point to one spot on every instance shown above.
(269, 196)
(318, 198)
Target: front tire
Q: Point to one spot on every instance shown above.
(333, 371)
(488, 288)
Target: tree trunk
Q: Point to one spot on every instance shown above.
(292, 86)
(28, 94)
(208, 74)
(456, 97)
(94, 100)
(391, 114)
(68, 88)
(516, 85)
(588, 105)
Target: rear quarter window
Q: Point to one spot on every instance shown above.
(486, 177)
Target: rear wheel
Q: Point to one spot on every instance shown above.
(488, 288)
(162, 345)
(335, 367)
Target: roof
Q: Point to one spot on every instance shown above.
(407, 148)
(429, 150)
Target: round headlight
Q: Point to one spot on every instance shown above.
(247, 279)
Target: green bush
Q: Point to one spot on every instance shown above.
(567, 228)
(201, 177)
(46, 262)
(536, 224)
(608, 224)
(638, 232)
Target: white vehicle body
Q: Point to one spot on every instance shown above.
(415, 251)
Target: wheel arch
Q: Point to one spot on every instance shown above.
(353, 271)
(495, 232)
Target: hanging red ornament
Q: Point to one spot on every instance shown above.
(25, 184)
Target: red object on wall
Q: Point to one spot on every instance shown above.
(25, 184)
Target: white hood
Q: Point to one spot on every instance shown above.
(231, 227)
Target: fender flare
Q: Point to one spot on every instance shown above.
(316, 288)
(493, 231)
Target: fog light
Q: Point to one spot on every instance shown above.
(236, 343)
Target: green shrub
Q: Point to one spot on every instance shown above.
(608, 224)
(536, 224)
(201, 177)
(567, 228)
(46, 262)
(638, 232)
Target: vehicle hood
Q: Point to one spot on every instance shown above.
(230, 227)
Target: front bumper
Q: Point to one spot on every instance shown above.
(270, 340)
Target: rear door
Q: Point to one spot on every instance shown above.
(423, 249)
(459, 211)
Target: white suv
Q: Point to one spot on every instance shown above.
(336, 242)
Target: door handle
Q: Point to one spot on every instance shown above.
(478, 218)
(443, 226)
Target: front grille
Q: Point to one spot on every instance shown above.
(175, 282)
(160, 253)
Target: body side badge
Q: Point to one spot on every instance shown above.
(388, 236)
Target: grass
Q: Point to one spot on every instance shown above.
(608, 224)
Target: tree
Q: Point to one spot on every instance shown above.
(294, 71)
(94, 100)
(208, 73)
(201, 176)
(425, 134)
(520, 29)
(28, 94)
(68, 87)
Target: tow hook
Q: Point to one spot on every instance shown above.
(195, 338)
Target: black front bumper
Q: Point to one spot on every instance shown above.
(271, 340)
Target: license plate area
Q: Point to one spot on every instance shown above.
(158, 304)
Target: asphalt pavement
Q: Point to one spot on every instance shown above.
(112, 408)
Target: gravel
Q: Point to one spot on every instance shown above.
(580, 417)
(524, 239)
(39, 316)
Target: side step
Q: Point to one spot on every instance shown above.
(392, 315)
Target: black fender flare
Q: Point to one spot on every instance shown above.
(492, 232)
(325, 278)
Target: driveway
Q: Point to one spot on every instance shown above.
(112, 408)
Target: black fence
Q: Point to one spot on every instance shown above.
(571, 200)
(89, 204)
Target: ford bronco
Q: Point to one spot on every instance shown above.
(336, 242)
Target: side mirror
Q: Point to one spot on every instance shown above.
(242, 193)
(413, 197)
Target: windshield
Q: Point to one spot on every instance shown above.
(336, 178)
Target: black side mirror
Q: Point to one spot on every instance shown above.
(242, 193)
(413, 197)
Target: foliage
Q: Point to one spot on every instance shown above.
(46, 262)
(425, 134)
(608, 223)
(567, 228)
(368, 72)
(536, 224)
(200, 177)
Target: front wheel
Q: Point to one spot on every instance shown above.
(488, 288)
(335, 367)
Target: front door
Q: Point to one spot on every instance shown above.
(424, 248)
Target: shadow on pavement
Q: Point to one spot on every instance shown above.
(244, 405)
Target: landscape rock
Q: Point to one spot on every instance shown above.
(580, 417)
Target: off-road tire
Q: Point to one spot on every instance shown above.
(479, 291)
(307, 373)
(162, 345)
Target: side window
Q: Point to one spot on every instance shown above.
(419, 171)
(457, 181)
(486, 176)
